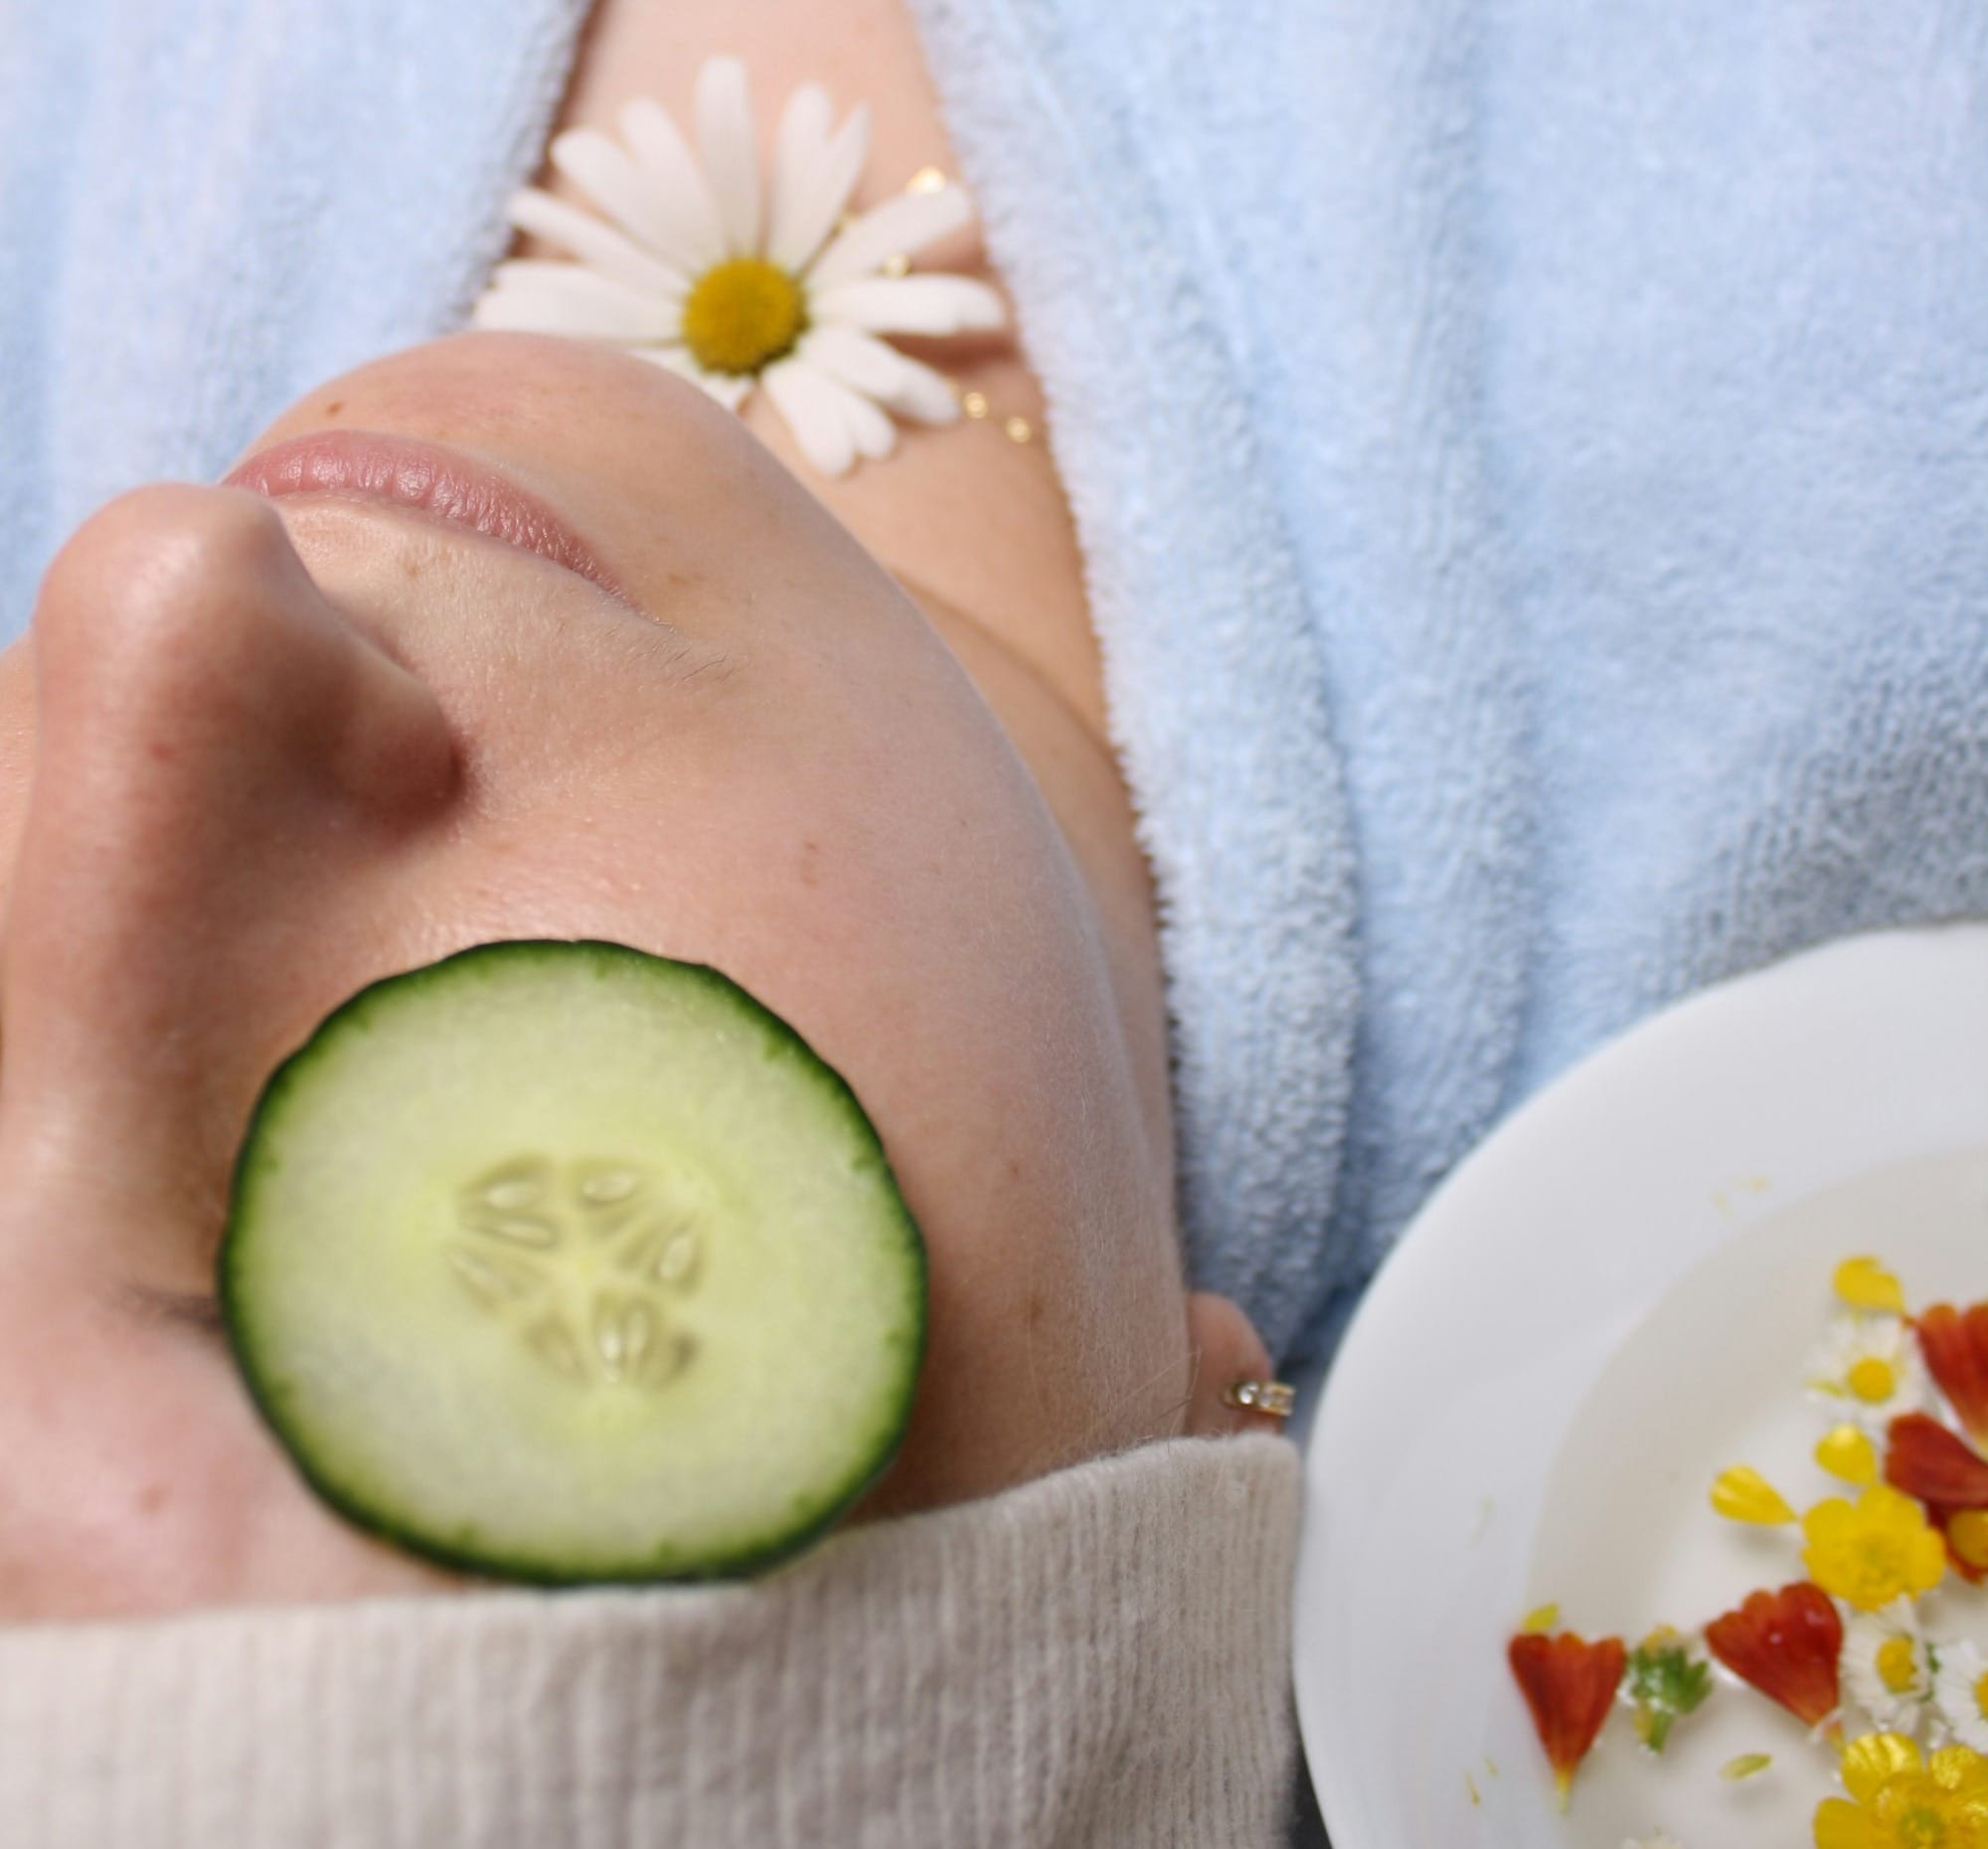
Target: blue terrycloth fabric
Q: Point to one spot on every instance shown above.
(209, 206)
(1612, 375)
(1531, 456)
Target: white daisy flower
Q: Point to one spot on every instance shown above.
(1886, 1667)
(1960, 1693)
(1869, 1368)
(700, 269)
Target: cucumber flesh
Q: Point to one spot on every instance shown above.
(562, 1261)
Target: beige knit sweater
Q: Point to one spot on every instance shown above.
(1100, 1657)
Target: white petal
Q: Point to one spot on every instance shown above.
(904, 225)
(683, 197)
(727, 388)
(564, 298)
(894, 380)
(875, 436)
(618, 258)
(565, 281)
(869, 430)
(798, 155)
(909, 304)
(605, 173)
(729, 142)
(813, 412)
(819, 201)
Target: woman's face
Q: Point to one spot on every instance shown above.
(263, 747)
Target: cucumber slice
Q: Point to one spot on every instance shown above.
(561, 1262)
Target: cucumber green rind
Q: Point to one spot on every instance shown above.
(271, 1392)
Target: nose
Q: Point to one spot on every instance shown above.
(216, 747)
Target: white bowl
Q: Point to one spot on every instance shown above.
(1610, 1300)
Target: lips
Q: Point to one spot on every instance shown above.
(425, 479)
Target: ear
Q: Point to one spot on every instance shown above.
(1226, 1349)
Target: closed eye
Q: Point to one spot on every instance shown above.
(187, 1310)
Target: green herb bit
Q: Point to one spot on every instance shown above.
(1664, 1682)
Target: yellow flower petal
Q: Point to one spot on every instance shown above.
(1865, 1285)
(1959, 1769)
(1879, 1551)
(1743, 1495)
(1968, 1531)
(1903, 1802)
(1542, 1619)
(1871, 1758)
(1928, 1562)
(1841, 1826)
(1849, 1455)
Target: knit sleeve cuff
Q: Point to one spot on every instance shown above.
(1098, 1657)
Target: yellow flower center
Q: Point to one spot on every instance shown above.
(1884, 1562)
(1873, 1381)
(1896, 1669)
(1874, 1552)
(1919, 1828)
(741, 315)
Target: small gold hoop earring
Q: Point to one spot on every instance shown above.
(1274, 1398)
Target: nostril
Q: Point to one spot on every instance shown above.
(179, 628)
(220, 758)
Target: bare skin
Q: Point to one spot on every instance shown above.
(258, 753)
(962, 515)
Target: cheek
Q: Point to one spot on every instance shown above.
(135, 1479)
(17, 746)
(933, 939)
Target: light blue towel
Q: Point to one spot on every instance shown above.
(1531, 457)
(209, 206)
(1575, 409)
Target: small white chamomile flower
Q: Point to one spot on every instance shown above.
(1870, 1368)
(1960, 1694)
(1886, 1667)
(705, 273)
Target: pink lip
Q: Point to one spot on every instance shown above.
(424, 479)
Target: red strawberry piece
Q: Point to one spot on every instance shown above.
(1786, 1645)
